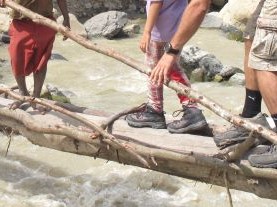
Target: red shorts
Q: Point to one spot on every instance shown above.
(30, 46)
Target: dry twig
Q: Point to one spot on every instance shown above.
(228, 189)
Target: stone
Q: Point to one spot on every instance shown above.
(131, 29)
(219, 3)
(229, 71)
(236, 13)
(107, 24)
(237, 79)
(211, 65)
(197, 75)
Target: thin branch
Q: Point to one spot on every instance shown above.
(110, 121)
(228, 189)
(9, 135)
(241, 148)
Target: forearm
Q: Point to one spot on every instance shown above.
(190, 22)
(152, 16)
(63, 7)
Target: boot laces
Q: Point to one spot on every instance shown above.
(178, 112)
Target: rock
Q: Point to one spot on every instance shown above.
(75, 25)
(85, 9)
(212, 21)
(107, 24)
(193, 57)
(237, 79)
(219, 3)
(4, 22)
(131, 29)
(218, 78)
(197, 75)
(56, 56)
(190, 57)
(229, 71)
(5, 38)
(211, 65)
(232, 33)
(53, 93)
(235, 15)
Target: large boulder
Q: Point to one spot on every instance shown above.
(235, 15)
(107, 24)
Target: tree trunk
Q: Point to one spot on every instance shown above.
(175, 154)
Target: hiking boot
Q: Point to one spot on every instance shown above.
(191, 121)
(147, 118)
(236, 134)
(267, 159)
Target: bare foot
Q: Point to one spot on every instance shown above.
(16, 105)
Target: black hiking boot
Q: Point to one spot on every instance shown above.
(267, 159)
(192, 120)
(237, 134)
(147, 118)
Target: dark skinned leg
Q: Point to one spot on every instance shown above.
(39, 78)
(21, 82)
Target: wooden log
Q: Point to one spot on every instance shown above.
(180, 88)
(175, 154)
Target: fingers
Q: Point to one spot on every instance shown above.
(160, 74)
(143, 46)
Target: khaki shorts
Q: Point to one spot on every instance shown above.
(263, 54)
(251, 25)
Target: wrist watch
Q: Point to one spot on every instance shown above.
(170, 50)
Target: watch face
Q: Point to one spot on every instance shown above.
(167, 47)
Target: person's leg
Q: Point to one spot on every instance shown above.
(193, 119)
(21, 83)
(253, 98)
(39, 78)
(251, 109)
(153, 115)
(155, 92)
(268, 86)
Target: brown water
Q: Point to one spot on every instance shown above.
(34, 176)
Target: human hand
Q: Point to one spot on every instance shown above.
(2, 3)
(66, 23)
(144, 42)
(160, 73)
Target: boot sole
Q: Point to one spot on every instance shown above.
(190, 128)
(157, 125)
(274, 165)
